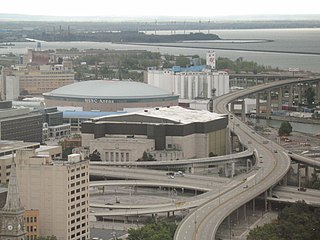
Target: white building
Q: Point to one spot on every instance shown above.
(195, 82)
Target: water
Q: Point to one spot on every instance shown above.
(304, 41)
(297, 127)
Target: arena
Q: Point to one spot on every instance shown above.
(109, 95)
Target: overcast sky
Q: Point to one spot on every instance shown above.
(151, 8)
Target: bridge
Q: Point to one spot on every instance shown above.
(273, 167)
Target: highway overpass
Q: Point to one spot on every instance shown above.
(273, 165)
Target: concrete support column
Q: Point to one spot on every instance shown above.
(254, 205)
(290, 100)
(299, 175)
(307, 172)
(232, 107)
(243, 111)
(265, 201)
(268, 110)
(245, 212)
(226, 170)
(280, 100)
(299, 92)
(258, 104)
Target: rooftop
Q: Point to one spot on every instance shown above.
(109, 89)
(178, 114)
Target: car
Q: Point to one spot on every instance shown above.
(275, 196)
(275, 151)
(171, 176)
(245, 186)
(108, 204)
(302, 189)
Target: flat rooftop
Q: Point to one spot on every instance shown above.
(176, 114)
(9, 145)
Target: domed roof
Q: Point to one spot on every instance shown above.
(111, 89)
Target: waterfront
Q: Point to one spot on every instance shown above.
(296, 126)
(300, 47)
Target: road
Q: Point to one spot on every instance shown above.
(203, 223)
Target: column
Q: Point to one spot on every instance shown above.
(243, 111)
(280, 98)
(290, 100)
(268, 110)
(258, 104)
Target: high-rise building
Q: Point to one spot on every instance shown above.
(12, 214)
(59, 190)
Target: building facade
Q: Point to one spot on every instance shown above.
(197, 82)
(166, 133)
(31, 221)
(59, 190)
(20, 124)
(34, 79)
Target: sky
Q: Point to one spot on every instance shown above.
(151, 8)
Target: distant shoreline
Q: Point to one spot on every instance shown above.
(220, 48)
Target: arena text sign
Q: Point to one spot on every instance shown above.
(97, 100)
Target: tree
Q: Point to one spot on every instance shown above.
(95, 156)
(285, 128)
(299, 221)
(153, 231)
(310, 96)
(147, 157)
(182, 61)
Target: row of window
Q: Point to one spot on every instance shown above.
(30, 219)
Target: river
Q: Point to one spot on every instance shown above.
(296, 48)
(296, 126)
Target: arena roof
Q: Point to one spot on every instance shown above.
(176, 114)
(111, 89)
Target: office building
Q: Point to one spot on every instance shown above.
(59, 190)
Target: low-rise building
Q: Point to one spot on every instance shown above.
(166, 133)
(20, 124)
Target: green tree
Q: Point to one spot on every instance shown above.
(147, 157)
(299, 221)
(153, 231)
(310, 96)
(182, 61)
(285, 128)
(95, 156)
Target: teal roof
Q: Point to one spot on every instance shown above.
(111, 89)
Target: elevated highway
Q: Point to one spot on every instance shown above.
(288, 194)
(273, 165)
(177, 164)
